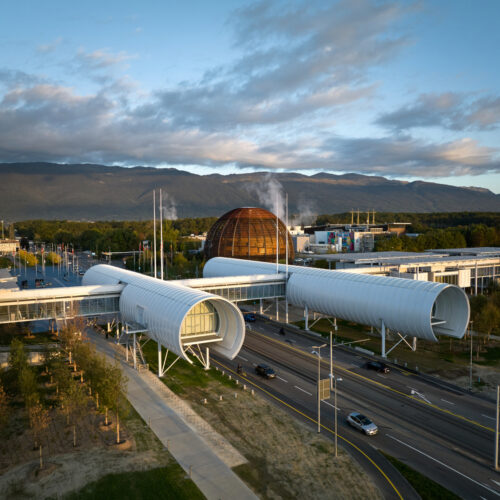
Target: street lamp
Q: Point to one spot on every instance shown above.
(334, 379)
(470, 364)
(318, 353)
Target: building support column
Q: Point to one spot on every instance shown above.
(383, 339)
(277, 309)
(159, 360)
(260, 306)
(207, 358)
(135, 352)
(306, 318)
(414, 346)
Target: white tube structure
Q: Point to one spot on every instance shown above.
(174, 315)
(421, 309)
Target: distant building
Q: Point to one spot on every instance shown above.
(8, 246)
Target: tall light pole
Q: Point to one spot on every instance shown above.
(470, 364)
(318, 353)
(334, 379)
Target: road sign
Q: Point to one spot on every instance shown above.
(324, 389)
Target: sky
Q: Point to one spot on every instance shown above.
(407, 90)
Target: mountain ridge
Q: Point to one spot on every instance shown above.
(99, 192)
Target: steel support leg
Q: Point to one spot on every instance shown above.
(306, 317)
(159, 360)
(207, 359)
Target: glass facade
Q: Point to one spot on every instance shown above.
(250, 292)
(201, 319)
(59, 308)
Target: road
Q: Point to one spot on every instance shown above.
(442, 432)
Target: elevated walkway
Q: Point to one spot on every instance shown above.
(59, 303)
(95, 300)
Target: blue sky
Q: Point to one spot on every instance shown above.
(408, 90)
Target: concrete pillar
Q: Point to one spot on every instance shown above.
(414, 347)
(286, 311)
(260, 306)
(207, 357)
(383, 339)
(306, 318)
(277, 309)
(135, 353)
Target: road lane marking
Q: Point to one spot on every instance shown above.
(244, 359)
(366, 379)
(444, 465)
(496, 482)
(486, 416)
(329, 404)
(449, 402)
(286, 381)
(307, 417)
(303, 390)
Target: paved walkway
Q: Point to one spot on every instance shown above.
(191, 441)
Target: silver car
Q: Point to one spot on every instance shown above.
(362, 423)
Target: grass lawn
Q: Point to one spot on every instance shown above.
(425, 487)
(161, 483)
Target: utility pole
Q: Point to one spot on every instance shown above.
(154, 229)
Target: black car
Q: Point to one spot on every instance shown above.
(377, 366)
(265, 371)
(249, 317)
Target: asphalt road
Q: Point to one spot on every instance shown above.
(440, 431)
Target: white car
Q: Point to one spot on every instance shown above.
(362, 423)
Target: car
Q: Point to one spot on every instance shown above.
(362, 423)
(249, 317)
(377, 366)
(265, 371)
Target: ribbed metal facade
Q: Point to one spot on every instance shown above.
(248, 233)
(418, 308)
(162, 306)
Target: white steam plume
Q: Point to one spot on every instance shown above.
(169, 209)
(270, 194)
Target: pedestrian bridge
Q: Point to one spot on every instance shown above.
(96, 300)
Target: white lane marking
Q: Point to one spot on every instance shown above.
(282, 379)
(444, 465)
(254, 364)
(329, 404)
(449, 402)
(303, 390)
(486, 416)
(244, 359)
(496, 482)
(380, 375)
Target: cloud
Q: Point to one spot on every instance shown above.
(298, 60)
(49, 47)
(272, 108)
(406, 156)
(453, 111)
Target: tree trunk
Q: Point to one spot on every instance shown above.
(97, 400)
(74, 436)
(117, 429)
(106, 416)
(41, 459)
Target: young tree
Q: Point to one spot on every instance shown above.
(112, 390)
(4, 408)
(39, 420)
(74, 401)
(29, 387)
(18, 359)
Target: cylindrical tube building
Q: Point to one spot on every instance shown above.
(174, 315)
(420, 309)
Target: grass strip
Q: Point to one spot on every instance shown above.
(168, 482)
(425, 487)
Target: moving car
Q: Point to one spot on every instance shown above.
(362, 423)
(265, 371)
(249, 317)
(377, 366)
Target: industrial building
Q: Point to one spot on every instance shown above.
(472, 269)
(249, 233)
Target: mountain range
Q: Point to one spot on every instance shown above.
(98, 192)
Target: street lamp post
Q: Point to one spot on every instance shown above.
(318, 353)
(497, 428)
(470, 364)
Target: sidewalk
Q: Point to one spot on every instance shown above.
(190, 440)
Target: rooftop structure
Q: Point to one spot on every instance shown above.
(249, 233)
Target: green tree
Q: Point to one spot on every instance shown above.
(18, 359)
(112, 391)
(4, 408)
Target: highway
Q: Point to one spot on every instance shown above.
(440, 431)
